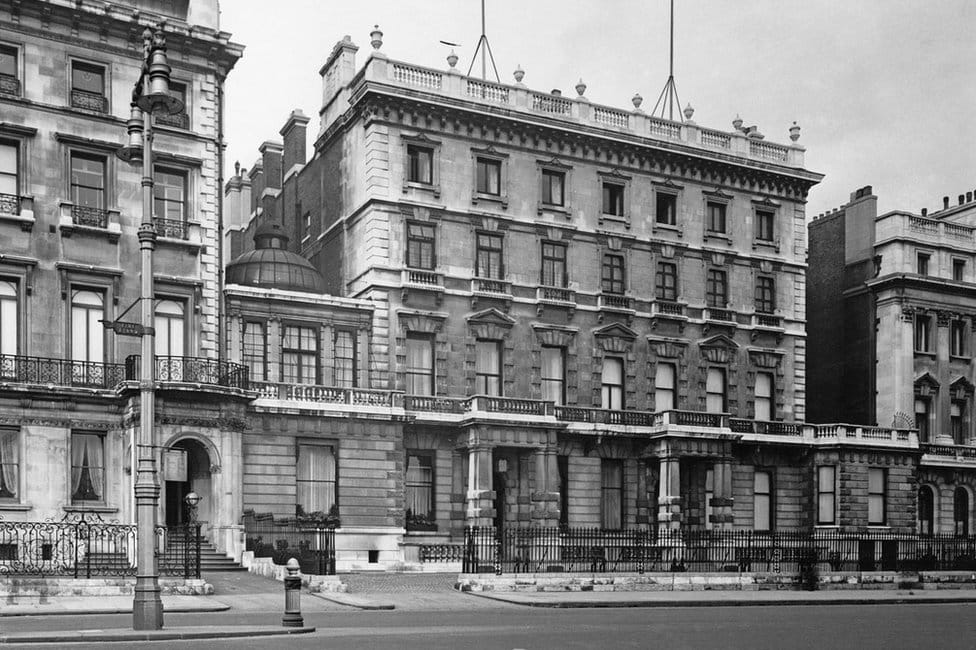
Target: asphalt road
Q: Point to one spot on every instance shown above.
(874, 626)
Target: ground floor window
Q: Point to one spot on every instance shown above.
(961, 511)
(316, 479)
(9, 463)
(826, 504)
(926, 510)
(87, 467)
(419, 490)
(612, 488)
(762, 501)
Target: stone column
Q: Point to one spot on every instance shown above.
(942, 429)
(545, 495)
(458, 497)
(722, 494)
(480, 510)
(669, 501)
(274, 348)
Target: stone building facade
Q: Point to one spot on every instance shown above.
(893, 344)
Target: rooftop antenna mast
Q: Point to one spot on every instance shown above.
(485, 51)
(669, 95)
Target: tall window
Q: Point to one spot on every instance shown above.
(716, 292)
(554, 374)
(170, 328)
(9, 463)
(613, 199)
(553, 187)
(922, 264)
(87, 334)
(958, 270)
(612, 379)
(826, 492)
(765, 295)
(553, 264)
(315, 479)
(8, 65)
(420, 164)
(254, 350)
(9, 183)
(488, 256)
(306, 226)
(666, 208)
(299, 355)
(957, 338)
(762, 501)
(344, 356)
(715, 219)
(88, 86)
(419, 483)
(170, 194)
(419, 373)
(708, 511)
(926, 510)
(715, 391)
(877, 496)
(922, 418)
(960, 511)
(88, 180)
(666, 281)
(665, 387)
(764, 396)
(9, 326)
(956, 422)
(488, 367)
(764, 225)
(612, 493)
(613, 274)
(420, 246)
(488, 176)
(87, 467)
(923, 333)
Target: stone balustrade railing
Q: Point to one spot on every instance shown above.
(898, 225)
(517, 97)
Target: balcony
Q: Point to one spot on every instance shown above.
(363, 397)
(192, 370)
(934, 232)
(9, 85)
(89, 101)
(508, 405)
(82, 215)
(615, 303)
(433, 404)
(97, 222)
(948, 455)
(491, 288)
(171, 228)
(556, 297)
(604, 416)
(424, 281)
(16, 369)
(719, 315)
(767, 321)
(9, 204)
(179, 120)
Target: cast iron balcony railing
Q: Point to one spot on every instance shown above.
(89, 101)
(178, 120)
(192, 370)
(82, 215)
(59, 372)
(172, 228)
(9, 204)
(9, 85)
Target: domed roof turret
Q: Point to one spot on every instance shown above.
(272, 266)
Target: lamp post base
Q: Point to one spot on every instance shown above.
(147, 606)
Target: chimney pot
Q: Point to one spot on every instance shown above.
(945, 202)
(969, 197)
(962, 199)
(925, 212)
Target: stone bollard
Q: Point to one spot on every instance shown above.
(293, 596)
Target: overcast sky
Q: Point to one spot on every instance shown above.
(884, 90)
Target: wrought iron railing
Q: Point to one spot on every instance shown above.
(537, 550)
(9, 85)
(311, 543)
(192, 370)
(89, 101)
(9, 204)
(82, 215)
(179, 120)
(430, 553)
(59, 372)
(84, 546)
(172, 228)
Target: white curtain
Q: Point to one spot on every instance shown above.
(419, 480)
(9, 459)
(96, 464)
(316, 478)
(77, 461)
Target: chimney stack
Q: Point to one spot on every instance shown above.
(925, 212)
(969, 197)
(271, 160)
(945, 202)
(962, 199)
(293, 134)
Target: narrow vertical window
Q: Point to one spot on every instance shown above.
(488, 256)
(9, 178)
(877, 496)
(960, 511)
(299, 355)
(708, 510)
(419, 484)
(420, 165)
(344, 358)
(554, 374)
(488, 367)
(315, 479)
(613, 199)
(926, 510)
(9, 318)
(613, 274)
(765, 295)
(957, 427)
(715, 400)
(488, 173)
(562, 465)
(254, 350)
(957, 338)
(959, 270)
(553, 265)
(88, 182)
(666, 281)
(764, 225)
(169, 190)
(716, 293)
(9, 71)
(420, 246)
(762, 501)
(764, 396)
(665, 387)
(419, 372)
(922, 264)
(611, 490)
(553, 190)
(923, 333)
(666, 209)
(612, 379)
(87, 334)
(826, 487)
(170, 328)
(715, 218)
(922, 418)
(87, 467)
(9, 462)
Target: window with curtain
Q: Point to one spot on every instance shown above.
(762, 501)
(420, 164)
(88, 180)
(420, 246)
(344, 354)
(9, 321)
(764, 225)
(957, 427)
(613, 199)
(9, 462)
(665, 387)
(923, 333)
(613, 274)
(9, 169)
(926, 510)
(254, 350)
(709, 495)
(666, 208)
(612, 379)
(666, 281)
(419, 367)
(315, 480)
(922, 418)
(488, 176)
(87, 467)
(960, 511)
(553, 187)
(488, 257)
(826, 492)
(554, 374)
(764, 396)
(612, 493)
(299, 355)
(716, 217)
(957, 338)
(553, 264)
(169, 194)
(419, 485)
(488, 367)
(87, 334)
(170, 328)
(877, 496)
(715, 391)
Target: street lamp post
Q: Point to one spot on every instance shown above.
(150, 95)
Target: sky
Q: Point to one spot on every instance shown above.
(884, 90)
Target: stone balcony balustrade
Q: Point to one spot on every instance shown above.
(935, 232)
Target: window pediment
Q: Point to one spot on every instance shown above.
(490, 324)
(718, 349)
(960, 388)
(718, 194)
(426, 322)
(668, 348)
(926, 384)
(762, 358)
(554, 335)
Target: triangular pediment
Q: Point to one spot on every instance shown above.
(926, 379)
(615, 330)
(491, 316)
(718, 341)
(961, 384)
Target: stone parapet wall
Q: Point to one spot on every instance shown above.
(41, 587)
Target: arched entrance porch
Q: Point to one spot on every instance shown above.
(198, 479)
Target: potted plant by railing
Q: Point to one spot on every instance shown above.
(420, 522)
(318, 519)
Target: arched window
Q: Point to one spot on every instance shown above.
(8, 317)
(87, 334)
(169, 328)
(960, 511)
(926, 510)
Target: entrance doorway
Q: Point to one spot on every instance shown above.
(197, 480)
(498, 483)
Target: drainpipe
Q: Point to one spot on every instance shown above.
(220, 219)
